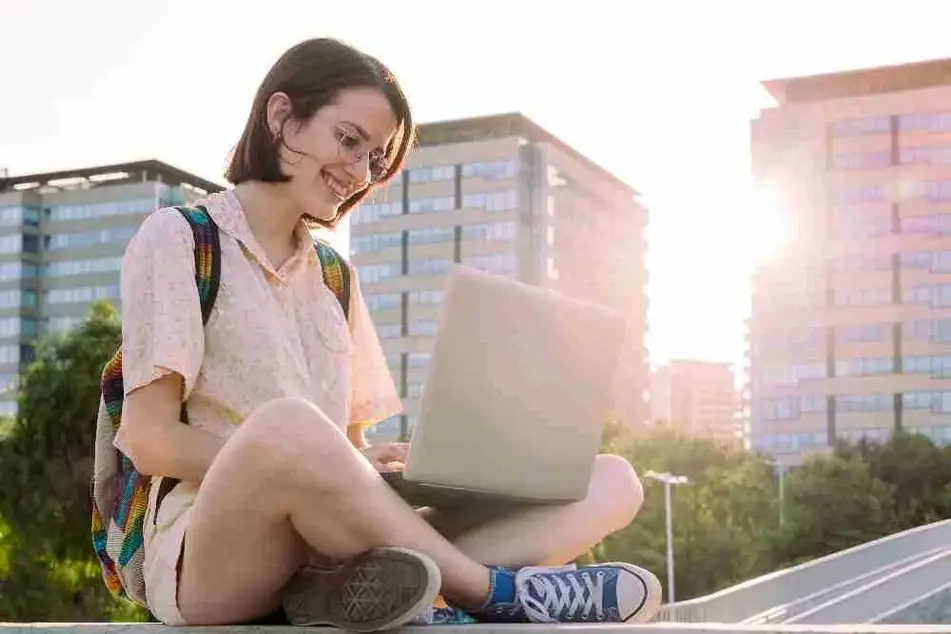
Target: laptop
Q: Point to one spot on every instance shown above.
(519, 389)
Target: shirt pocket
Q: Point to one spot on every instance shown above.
(331, 326)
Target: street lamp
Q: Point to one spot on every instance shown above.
(669, 479)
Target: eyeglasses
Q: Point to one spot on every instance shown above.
(352, 148)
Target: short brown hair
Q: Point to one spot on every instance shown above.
(312, 74)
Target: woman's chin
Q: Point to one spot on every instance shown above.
(323, 213)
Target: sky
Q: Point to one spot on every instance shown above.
(659, 92)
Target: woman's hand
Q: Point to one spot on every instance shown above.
(386, 456)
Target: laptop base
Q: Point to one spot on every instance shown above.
(418, 494)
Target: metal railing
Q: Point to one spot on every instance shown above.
(873, 600)
(784, 613)
(755, 596)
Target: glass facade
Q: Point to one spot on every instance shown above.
(61, 248)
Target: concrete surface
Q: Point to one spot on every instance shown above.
(651, 628)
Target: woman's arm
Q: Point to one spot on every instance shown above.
(155, 438)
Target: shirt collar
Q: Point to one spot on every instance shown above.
(225, 209)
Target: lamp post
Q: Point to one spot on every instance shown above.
(669, 480)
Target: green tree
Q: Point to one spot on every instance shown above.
(721, 520)
(48, 568)
(918, 471)
(833, 502)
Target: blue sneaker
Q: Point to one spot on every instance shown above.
(602, 593)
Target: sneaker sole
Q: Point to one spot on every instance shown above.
(381, 589)
(653, 593)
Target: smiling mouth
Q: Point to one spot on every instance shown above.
(340, 190)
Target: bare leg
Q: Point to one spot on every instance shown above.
(551, 535)
(287, 480)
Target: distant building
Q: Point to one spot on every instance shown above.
(850, 334)
(698, 398)
(62, 236)
(501, 194)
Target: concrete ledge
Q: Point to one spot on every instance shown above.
(651, 628)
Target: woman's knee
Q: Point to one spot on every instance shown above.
(288, 434)
(618, 483)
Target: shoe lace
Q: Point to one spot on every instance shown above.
(550, 595)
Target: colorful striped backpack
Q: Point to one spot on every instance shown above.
(120, 493)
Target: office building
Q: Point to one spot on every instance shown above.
(501, 194)
(698, 398)
(62, 236)
(850, 333)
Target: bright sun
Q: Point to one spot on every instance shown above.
(766, 226)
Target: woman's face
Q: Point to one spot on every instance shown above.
(337, 152)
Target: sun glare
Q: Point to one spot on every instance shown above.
(767, 228)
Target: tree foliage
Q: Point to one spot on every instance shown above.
(726, 521)
(48, 570)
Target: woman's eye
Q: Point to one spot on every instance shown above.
(349, 141)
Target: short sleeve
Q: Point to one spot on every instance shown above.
(373, 394)
(162, 330)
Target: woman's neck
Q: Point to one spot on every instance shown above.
(271, 214)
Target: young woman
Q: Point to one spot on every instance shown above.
(280, 497)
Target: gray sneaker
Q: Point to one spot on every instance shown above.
(381, 589)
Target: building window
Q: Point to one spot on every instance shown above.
(429, 205)
(869, 366)
(863, 402)
(100, 210)
(863, 297)
(858, 127)
(10, 353)
(429, 267)
(925, 121)
(432, 173)
(861, 194)
(63, 324)
(422, 327)
(939, 367)
(418, 360)
(925, 155)
(490, 232)
(493, 201)
(862, 160)
(863, 333)
(65, 268)
(785, 408)
(389, 331)
(491, 170)
(916, 295)
(793, 374)
(80, 294)
(375, 242)
(432, 235)
(812, 403)
(931, 225)
(426, 297)
(366, 214)
(862, 262)
(19, 216)
(87, 239)
(373, 273)
(382, 301)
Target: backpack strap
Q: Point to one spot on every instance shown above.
(336, 274)
(207, 256)
(207, 280)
